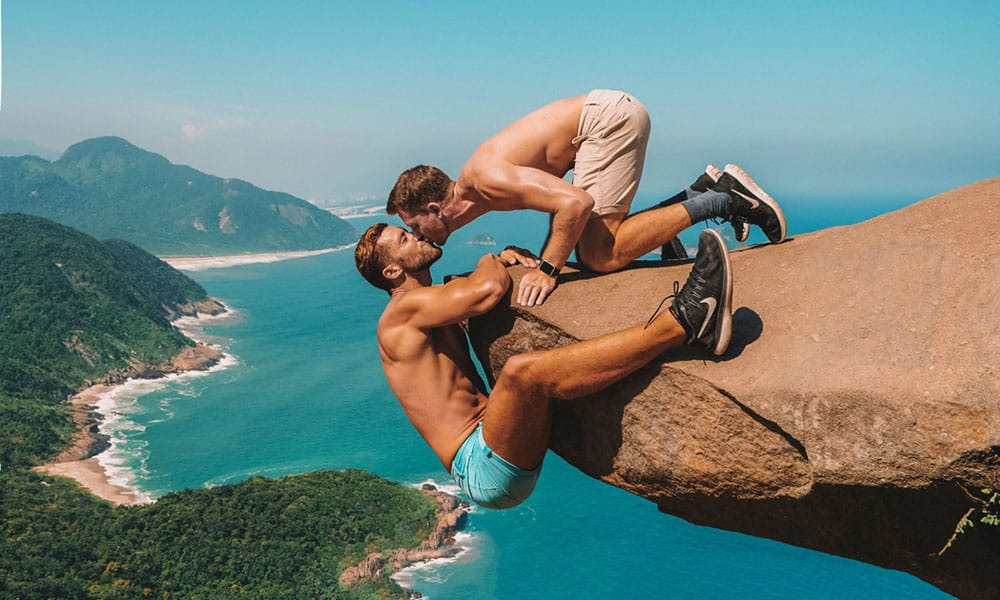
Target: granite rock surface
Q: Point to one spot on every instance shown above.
(857, 411)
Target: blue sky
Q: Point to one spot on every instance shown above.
(331, 100)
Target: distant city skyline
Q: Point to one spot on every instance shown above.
(329, 101)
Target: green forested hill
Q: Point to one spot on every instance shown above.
(109, 188)
(71, 308)
(263, 538)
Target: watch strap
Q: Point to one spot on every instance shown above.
(548, 268)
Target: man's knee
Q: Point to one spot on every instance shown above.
(599, 264)
(521, 373)
(596, 248)
(599, 260)
(595, 255)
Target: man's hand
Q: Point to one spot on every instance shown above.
(512, 255)
(535, 286)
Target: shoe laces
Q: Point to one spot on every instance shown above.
(694, 286)
(656, 313)
(734, 219)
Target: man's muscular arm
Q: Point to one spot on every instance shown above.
(511, 187)
(460, 298)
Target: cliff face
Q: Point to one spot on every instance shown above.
(857, 411)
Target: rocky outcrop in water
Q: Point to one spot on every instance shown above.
(451, 513)
(209, 306)
(857, 411)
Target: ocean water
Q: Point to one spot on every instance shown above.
(302, 389)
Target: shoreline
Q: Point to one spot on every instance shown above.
(201, 263)
(451, 514)
(80, 461)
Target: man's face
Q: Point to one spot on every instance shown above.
(412, 253)
(426, 224)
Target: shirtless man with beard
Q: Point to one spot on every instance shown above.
(493, 443)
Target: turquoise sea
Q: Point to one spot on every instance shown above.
(304, 390)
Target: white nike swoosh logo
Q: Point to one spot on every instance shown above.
(754, 203)
(712, 304)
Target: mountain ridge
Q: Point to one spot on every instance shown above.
(110, 188)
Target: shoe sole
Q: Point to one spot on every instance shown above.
(713, 173)
(724, 321)
(740, 175)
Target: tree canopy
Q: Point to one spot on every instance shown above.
(71, 309)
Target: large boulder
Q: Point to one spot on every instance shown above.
(857, 411)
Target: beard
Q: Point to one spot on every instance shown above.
(421, 260)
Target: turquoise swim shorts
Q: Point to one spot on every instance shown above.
(487, 479)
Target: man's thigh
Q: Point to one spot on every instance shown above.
(517, 420)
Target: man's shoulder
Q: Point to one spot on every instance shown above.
(482, 164)
(397, 317)
(401, 309)
(486, 178)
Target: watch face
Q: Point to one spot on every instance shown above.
(548, 268)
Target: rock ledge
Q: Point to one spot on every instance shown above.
(857, 411)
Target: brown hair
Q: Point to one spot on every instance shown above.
(369, 257)
(416, 187)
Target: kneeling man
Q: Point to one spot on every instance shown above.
(493, 443)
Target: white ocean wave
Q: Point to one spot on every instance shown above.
(125, 460)
(126, 455)
(194, 326)
(436, 570)
(449, 488)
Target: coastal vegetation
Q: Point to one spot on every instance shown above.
(109, 188)
(263, 538)
(73, 309)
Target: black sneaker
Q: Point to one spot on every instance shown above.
(704, 306)
(750, 205)
(673, 250)
(707, 179)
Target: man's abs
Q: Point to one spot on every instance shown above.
(439, 390)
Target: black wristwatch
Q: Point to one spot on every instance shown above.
(548, 268)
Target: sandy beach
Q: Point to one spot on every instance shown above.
(79, 461)
(90, 474)
(76, 462)
(200, 263)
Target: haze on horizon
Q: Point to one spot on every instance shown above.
(330, 101)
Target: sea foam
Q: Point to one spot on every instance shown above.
(125, 460)
(432, 570)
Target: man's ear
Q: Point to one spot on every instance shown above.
(392, 271)
(434, 208)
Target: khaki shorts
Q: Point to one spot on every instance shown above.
(611, 149)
